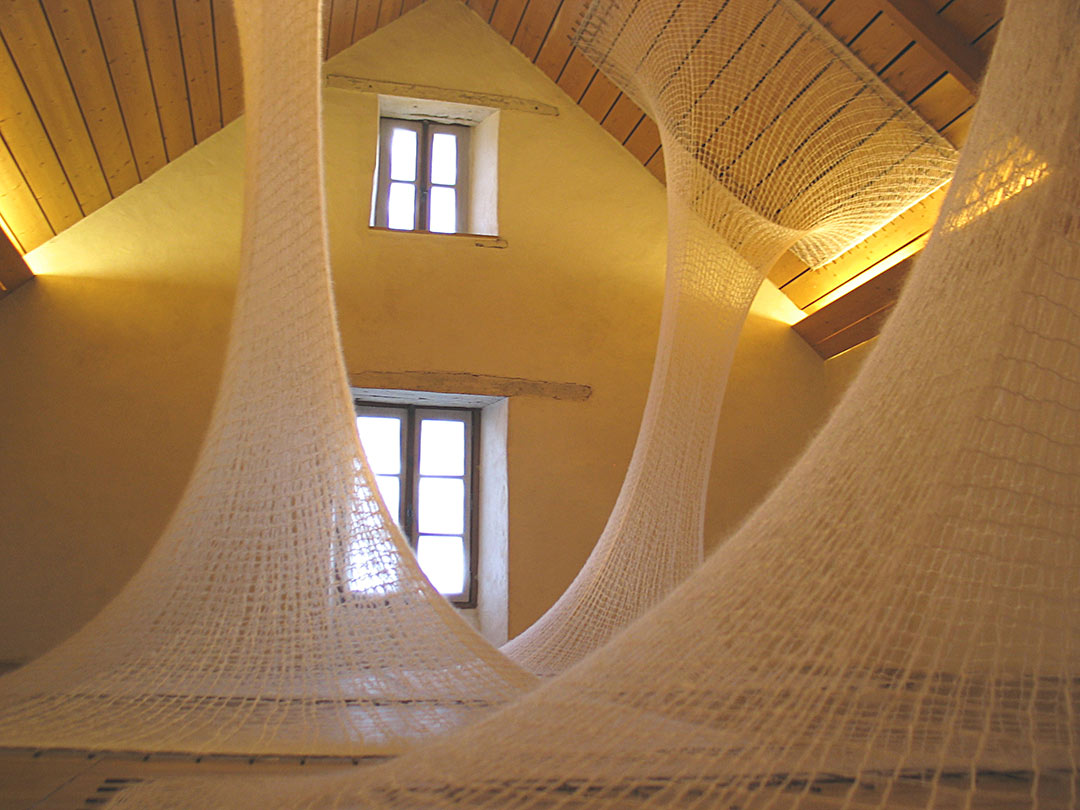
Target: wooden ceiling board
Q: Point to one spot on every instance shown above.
(121, 41)
(555, 51)
(33, 154)
(537, 21)
(972, 19)
(230, 76)
(161, 41)
(846, 19)
(30, 41)
(339, 17)
(20, 214)
(389, 10)
(867, 327)
(483, 8)
(912, 72)
(880, 43)
(506, 16)
(576, 75)
(943, 101)
(957, 130)
(644, 141)
(366, 19)
(623, 118)
(76, 35)
(985, 43)
(196, 24)
(599, 97)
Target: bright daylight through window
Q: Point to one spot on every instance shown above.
(423, 460)
(422, 178)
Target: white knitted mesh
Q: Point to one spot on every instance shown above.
(774, 137)
(898, 625)
(281, 612)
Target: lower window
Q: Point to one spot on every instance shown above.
(424, 460)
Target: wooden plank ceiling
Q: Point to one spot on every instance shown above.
(99, 94)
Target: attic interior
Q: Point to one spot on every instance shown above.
(570, 283)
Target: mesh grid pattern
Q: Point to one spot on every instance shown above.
(281, 612)
(775, 137)
(898, 625)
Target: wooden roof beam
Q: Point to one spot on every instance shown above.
(13, 268)
(939, 38)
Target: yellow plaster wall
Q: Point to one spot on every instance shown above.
(111, 356)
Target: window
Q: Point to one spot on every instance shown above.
(424, 460)
(422, 177)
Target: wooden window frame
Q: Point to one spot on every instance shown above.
(425, 131)
(408, 519)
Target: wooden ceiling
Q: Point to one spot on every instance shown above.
(99, 94)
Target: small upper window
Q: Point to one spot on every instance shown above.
(423, 172)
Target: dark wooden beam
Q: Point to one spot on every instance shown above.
(938, 37)
(857, 316)
(13, 268)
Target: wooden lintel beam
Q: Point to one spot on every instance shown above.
(431, 93)
(939, 38)
(13, 267)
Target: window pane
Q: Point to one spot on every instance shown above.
(443, 217)
(381, 438)
(442, 447)
(390, 489)
(443, 561)
(403, 155)
(401, 206)
(443, 159)
(442, 505)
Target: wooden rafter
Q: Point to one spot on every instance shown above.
(939, 38)
(13, 268)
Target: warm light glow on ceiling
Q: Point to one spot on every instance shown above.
(871, 272)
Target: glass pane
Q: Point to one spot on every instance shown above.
(442, 505)
(442, 447)
(443, 218)
(403, 155)
(443, 159)
(390, 489)
(381, 438)
(443, 561)
(401, 206)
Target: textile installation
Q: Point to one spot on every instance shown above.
(281, 612)
(898, 624)
(775, 137)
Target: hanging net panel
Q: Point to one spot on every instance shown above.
(281, 612)
(898, 624)
(775, 137)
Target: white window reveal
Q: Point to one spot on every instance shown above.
(422, 182)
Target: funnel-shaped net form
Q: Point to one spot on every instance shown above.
(281, 612)
(775, 137)
(898, 625)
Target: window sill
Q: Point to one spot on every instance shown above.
(476, 239)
